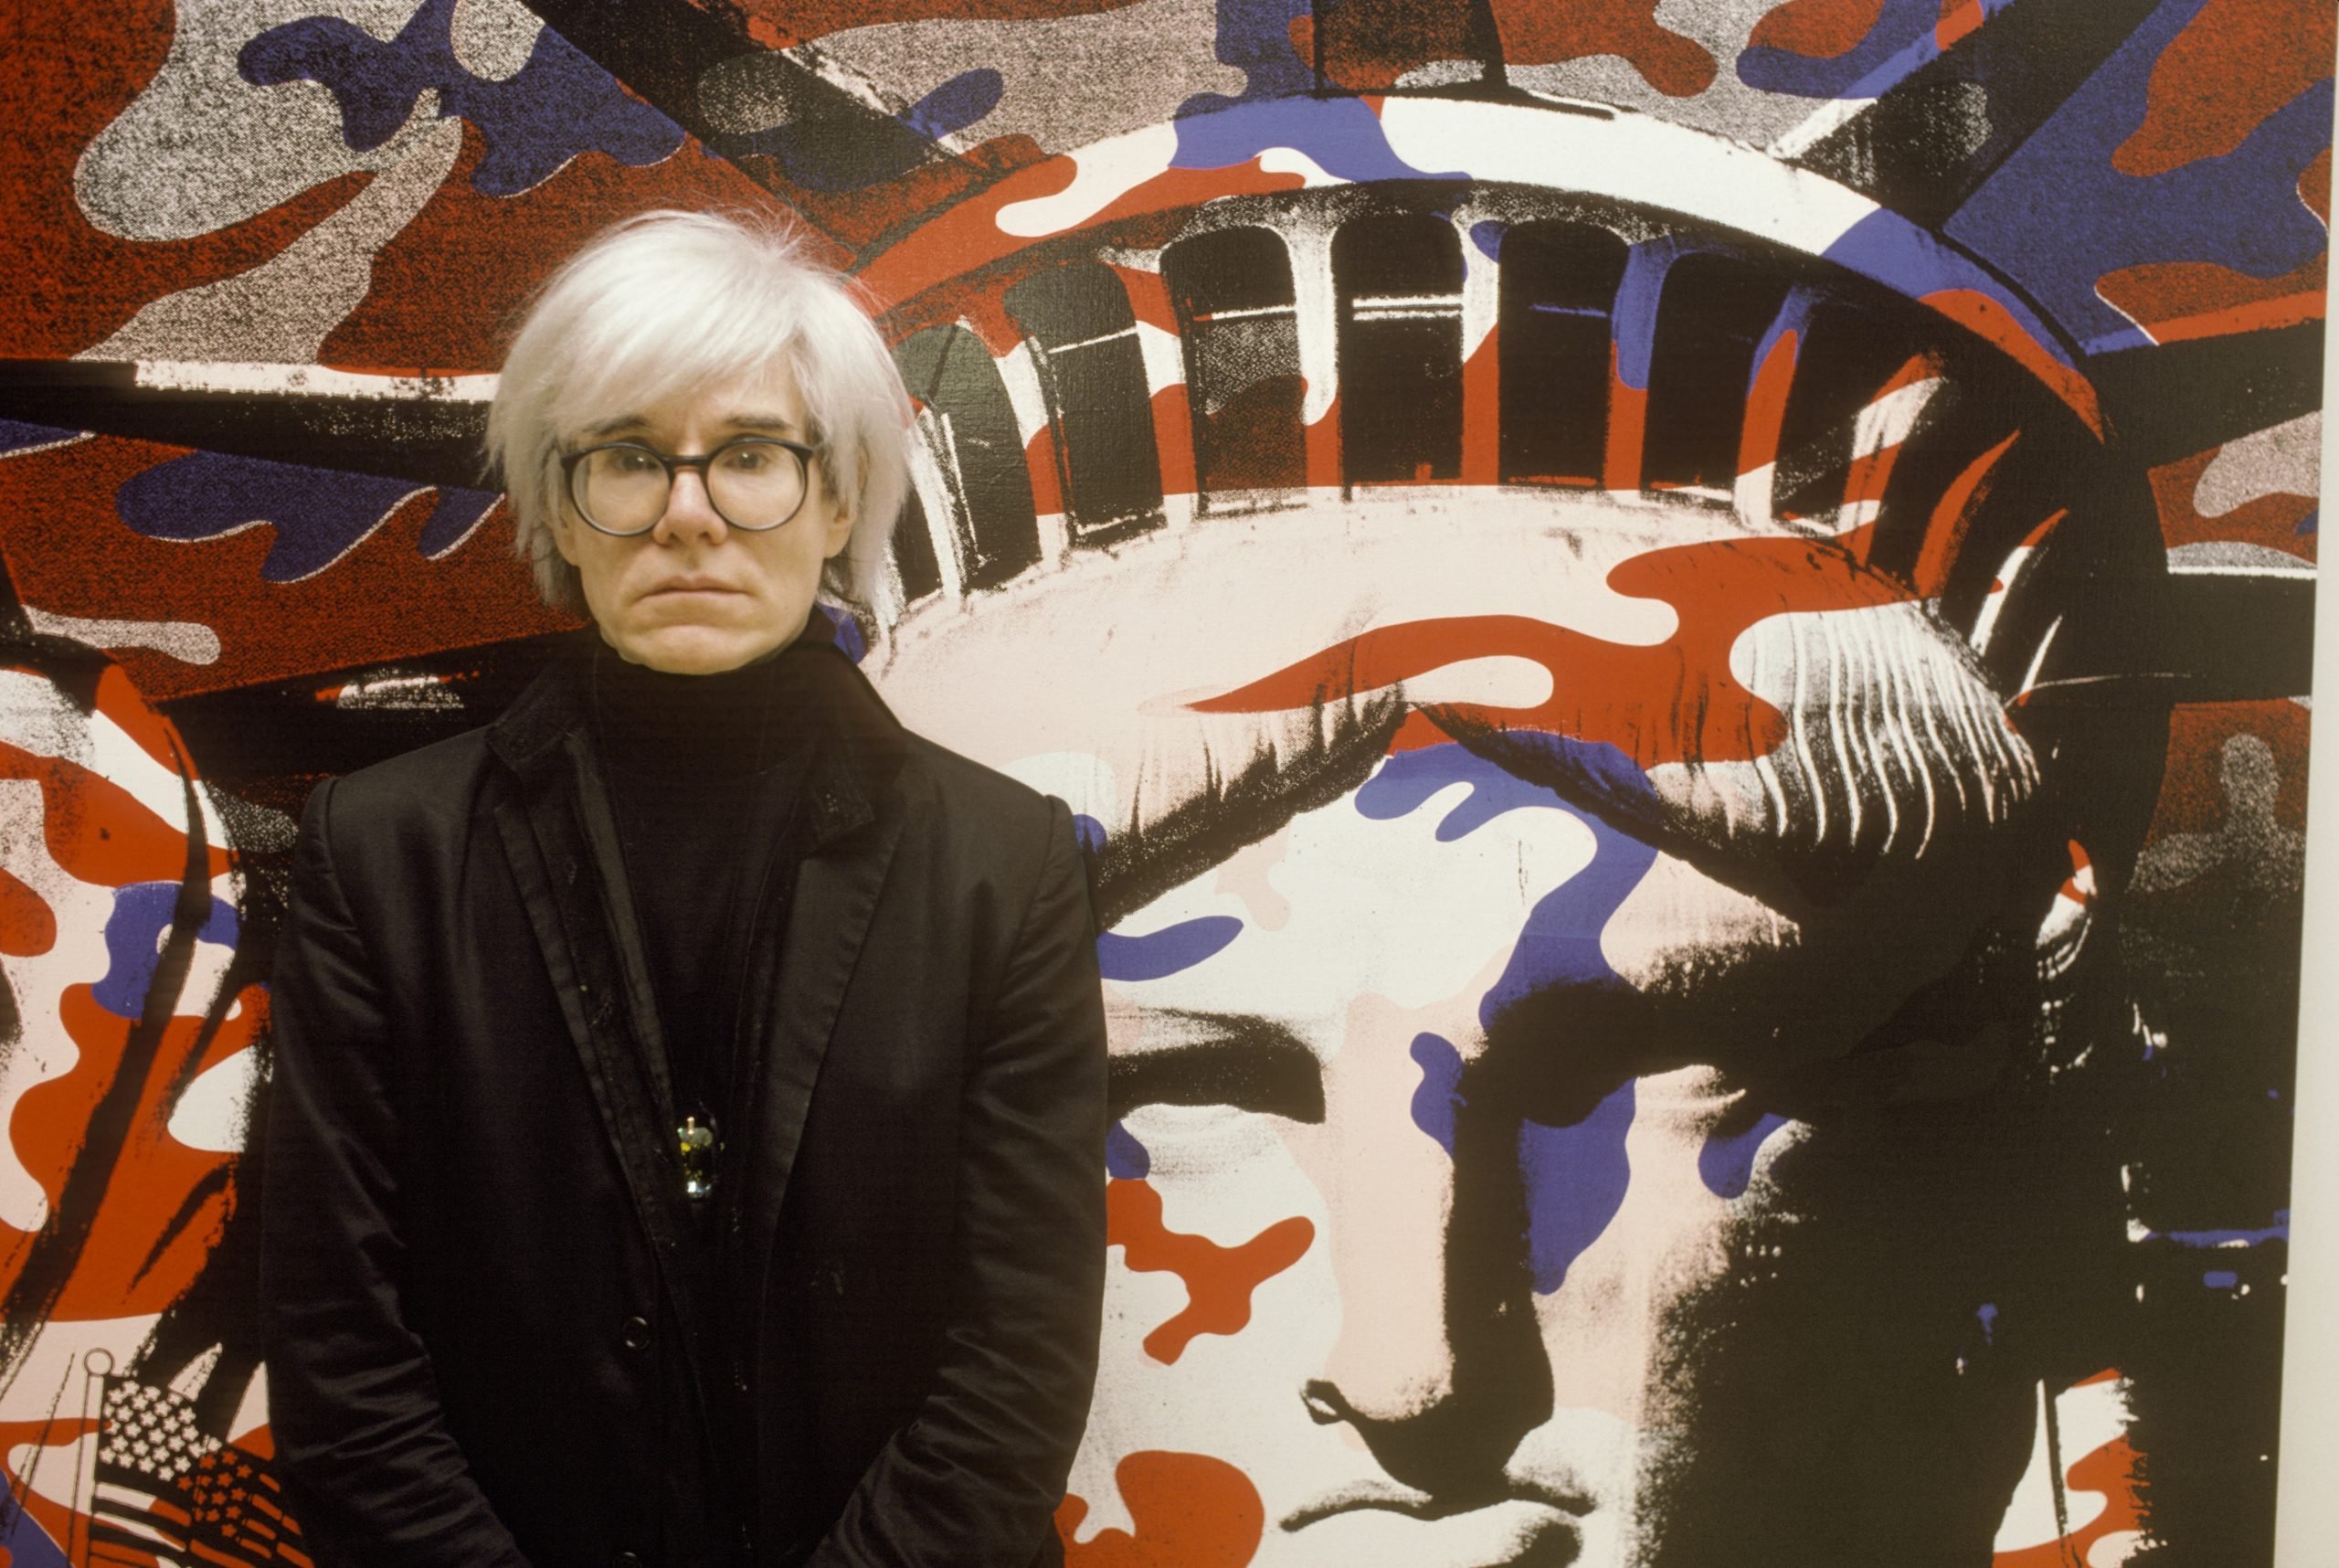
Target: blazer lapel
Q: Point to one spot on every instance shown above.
(853, 815)
(560, 839)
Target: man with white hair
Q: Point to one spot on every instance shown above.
(688, 1113)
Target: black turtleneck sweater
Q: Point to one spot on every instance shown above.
(704, 776)
(705, 772)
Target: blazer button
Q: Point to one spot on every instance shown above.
(625, 1560)
(634, 1335)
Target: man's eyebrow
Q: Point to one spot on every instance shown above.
(1252, 1064)
(763, 422)
(750, 420)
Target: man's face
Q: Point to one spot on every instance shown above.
(694, 595)
(1470, 1243)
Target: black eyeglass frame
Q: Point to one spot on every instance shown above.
(671, 462)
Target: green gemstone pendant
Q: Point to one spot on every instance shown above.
(698, 1146)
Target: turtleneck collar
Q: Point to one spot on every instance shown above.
(725, 724)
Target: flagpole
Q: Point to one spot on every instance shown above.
(97, 1366)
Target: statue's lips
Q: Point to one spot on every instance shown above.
(1407, 1525)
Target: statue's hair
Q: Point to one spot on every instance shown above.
(668, 300)
(1891, 745)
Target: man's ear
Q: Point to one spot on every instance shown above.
(563, 538)
(839, 526)
(839, 535)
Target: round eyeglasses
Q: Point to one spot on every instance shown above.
(753, 482)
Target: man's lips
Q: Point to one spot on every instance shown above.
(692, 584)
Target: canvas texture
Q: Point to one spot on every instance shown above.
(1677, 631)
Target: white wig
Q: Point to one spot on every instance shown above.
(668, 300)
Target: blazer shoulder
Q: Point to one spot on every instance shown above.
(966, 792)
(431, 785)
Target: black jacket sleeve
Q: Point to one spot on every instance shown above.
(974, 1478)
(375, 1476)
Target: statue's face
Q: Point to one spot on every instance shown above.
(1495, 1178)
(1420, 1229)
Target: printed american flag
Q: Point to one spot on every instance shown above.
(168, 1493)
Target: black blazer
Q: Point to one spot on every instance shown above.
(483, 1341)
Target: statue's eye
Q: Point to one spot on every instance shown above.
(1243, 1064)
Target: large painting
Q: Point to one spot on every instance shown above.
(1678, 631)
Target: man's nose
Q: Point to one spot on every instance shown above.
(689, 511)
(1439, 1365)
